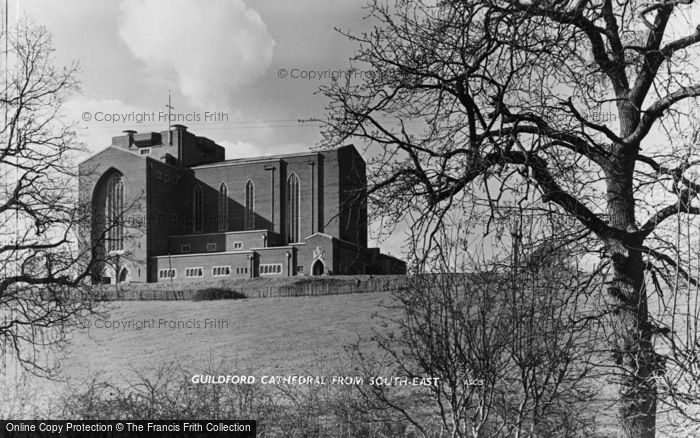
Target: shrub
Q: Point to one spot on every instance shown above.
(217, 293)
(287, 411)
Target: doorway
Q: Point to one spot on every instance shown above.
(123, 276)
(318, 268)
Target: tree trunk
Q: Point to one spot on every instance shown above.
(633, 350)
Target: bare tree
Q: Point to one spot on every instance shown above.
(510, 349)
(584, 108)
(42, 270)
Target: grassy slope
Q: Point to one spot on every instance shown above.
(275, 335)
(280, 336)
(272, 336)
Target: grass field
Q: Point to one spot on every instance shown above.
(272, 336)
(260, 336)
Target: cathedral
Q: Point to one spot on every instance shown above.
(167, 206)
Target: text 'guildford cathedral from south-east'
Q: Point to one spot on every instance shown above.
(167, 206)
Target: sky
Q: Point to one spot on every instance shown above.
(242, 73)
(238, 71)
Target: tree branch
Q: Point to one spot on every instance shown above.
(656, 110)
(682, 206)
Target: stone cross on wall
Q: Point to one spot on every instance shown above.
(318, 253)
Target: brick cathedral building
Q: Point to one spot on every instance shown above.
(167, 206)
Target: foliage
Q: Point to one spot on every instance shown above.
(217, 293)
(280, 410)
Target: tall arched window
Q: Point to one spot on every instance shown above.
(114, 212)
(292, 208)
(249, 215)
(223, 207)
(198, 210)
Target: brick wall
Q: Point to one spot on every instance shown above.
(231, 241)
(94, 172)
(352, 206)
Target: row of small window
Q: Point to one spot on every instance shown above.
(271, 269)
(216, 271)
(221, 271)
(167, 273)
(185, 248)
(165, 176)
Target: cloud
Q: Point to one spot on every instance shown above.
(101, 119)
(210, 49)
(239, 149)
(245, 149)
